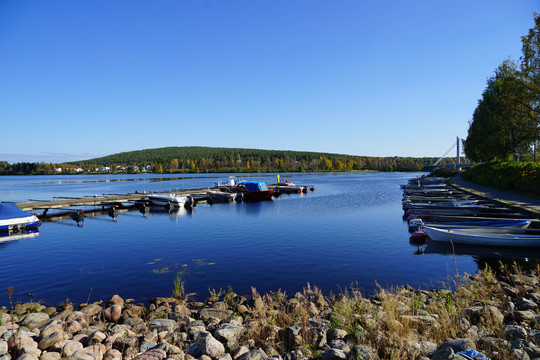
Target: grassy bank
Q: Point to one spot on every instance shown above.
(522, 177)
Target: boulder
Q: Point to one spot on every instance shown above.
(256, 354)
(334, 354)
(207, 313)
(155, 354)
(229, 333)
(52, 339)
(34, 320)
(163, 325)
(210, 346)
(363, 352)
(113, 313)
(71, 347)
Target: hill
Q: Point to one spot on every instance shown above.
(216, 159)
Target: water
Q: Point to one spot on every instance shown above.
(349, 231)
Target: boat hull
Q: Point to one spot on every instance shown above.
(482, 238)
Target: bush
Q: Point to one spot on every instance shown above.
(515, 176)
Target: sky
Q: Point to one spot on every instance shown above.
(88, 78)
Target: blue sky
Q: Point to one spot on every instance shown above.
(81, 79)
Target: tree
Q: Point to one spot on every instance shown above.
(501, 124)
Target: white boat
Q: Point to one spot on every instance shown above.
(13, 219)
(462, 236)
(171, 200)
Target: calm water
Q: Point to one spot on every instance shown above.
(350, 230)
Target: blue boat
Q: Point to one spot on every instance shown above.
(13, 219)
(254, 191)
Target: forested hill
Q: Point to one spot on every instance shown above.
(194, 159)
(214, 159)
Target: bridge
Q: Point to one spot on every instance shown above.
(457, 165)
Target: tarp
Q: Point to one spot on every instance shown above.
(11, 211)
(254, 185)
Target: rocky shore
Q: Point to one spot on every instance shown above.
(496, 315)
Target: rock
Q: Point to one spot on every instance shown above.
(113, 313)
(52, 339)
(73, 327)
(112, 354)
(50, 356)
(210, 346)
(92, 310)
(94, 352)
(116, 300)
(240, 351)
(421, 321)
(526, 304)
(156, 354)
(34, 320)
(207, 313)
(225, 357)
(446, 353)
(519, 354)
(194, 350)
(513, 332)
(229, 333)
(71, 347)
(334, 354)
(335, 334)
(363, 352)
(522, 315)
(3, 347)
(146, 345)
(163, 325)
(293, 337)
(257, 354)
(28, 357)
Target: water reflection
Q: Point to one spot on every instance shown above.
(7, 238)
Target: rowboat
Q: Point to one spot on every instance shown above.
(13, 219)
(500, 225)
(462, 236)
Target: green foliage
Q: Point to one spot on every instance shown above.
(515, 176)
(210, 159)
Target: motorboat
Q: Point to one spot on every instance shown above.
(13, 219)
(499, 225)
(467, 236)
(171, 199)
(254, 191)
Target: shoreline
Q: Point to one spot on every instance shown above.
(496, 315)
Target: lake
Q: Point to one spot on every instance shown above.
(348, 232)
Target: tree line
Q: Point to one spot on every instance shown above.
(506, 123)
(208, 159)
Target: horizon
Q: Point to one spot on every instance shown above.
(89, 79)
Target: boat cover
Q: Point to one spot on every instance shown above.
(254, 185)
(11, 211)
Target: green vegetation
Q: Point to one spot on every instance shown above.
(516, 176)
(506, 122)
(210, 159)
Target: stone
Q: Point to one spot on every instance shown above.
(207, 313)
(335, 334)
(458, 345)
(194, 350)
(526, 304)
(146, 345)
(96, 337)
(257, 354)
(3, 347)
(334, 354)
(116, 300)
(34, 320)
(94, 352)
(50, 356)
(513, 332)
(92, 310)
(363, 352)
(522, 315)
(210, 346)
(52, 339)
(113, 313)
(225, 357)
(112, 354)
(71, 347)
(163, 325)
(241, 350)
(49, 330)
(229, 333)
(446, 353)
(28, 357)
(293, 337)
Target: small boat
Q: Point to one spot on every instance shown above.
(462, 236)
(219, 197)
(254, 191)
(13, 219)
(171, 200)
(502, 225)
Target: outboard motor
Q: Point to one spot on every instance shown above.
(78, 217)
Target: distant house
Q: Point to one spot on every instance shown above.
(147, 168)
(78, 170)
(103, 169)
(132, 168)
(58, 170)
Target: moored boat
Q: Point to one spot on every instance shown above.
(254, 191)
(171, 200)
(462, 236)
(13, 219)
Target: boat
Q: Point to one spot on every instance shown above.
(219, 197)
(499, 225)
(462, 236)
(228, 185)
(13, 219)
(172, 200)
(254, 191)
